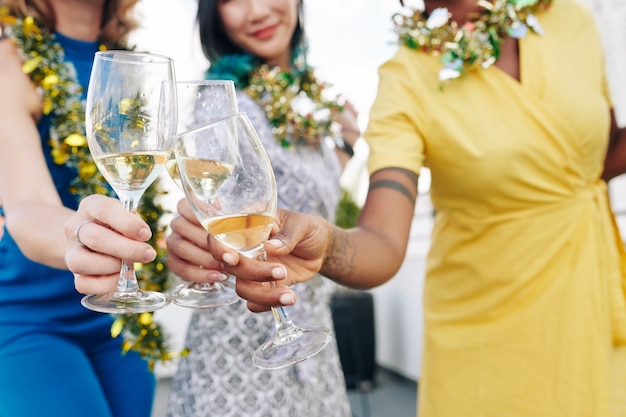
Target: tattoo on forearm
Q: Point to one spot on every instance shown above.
(340, 259)
(394, 185)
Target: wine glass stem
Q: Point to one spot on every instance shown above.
(127, 282)
(128, 279)
(285, 328)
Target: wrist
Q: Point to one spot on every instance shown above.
(343, 146)
(338, 255)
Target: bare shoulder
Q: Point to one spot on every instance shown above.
(17, 89)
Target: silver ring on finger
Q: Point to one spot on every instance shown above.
(77, 233)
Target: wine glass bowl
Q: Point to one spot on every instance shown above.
(129, 121)
(229, 183)
(199, 103)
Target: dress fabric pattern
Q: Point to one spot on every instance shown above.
(524, 291)
(218, 377)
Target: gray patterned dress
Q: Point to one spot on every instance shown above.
(218, 377)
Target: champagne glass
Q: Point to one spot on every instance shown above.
(199, 103)
(229, 182)
(130, 120)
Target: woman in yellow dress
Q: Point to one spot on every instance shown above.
(524, 294)
(506, 102)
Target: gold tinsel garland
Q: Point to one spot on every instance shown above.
(476, 44)
(56, 80)
(295, 105)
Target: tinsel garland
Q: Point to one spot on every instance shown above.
(44, 62)
(295, 102)
(476, 44)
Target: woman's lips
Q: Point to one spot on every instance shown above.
(265, 33)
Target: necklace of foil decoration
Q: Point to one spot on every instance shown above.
(475, 44)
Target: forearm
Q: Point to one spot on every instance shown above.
(343, 157)
(37, 228)
(361, 259)
(370, 254)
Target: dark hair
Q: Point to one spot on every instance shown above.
(117, 19)
(215, 43)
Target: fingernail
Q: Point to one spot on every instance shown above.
(149, 255)
(229, 258)
(279, 272)
(145, 233)
(276, 243)
(287, 299)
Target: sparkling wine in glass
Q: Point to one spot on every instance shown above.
(229, 182)
(199, 103)
(130, 120)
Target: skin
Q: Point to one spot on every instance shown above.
(26, 187)
(263, 28)
(97, 271)
(302, 245)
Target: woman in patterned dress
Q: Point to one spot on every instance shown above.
(218, 378)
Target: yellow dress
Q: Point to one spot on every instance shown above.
(524, 306)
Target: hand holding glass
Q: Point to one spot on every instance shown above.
(130, 120)
(229, 182)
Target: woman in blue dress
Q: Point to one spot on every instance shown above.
(56, 357)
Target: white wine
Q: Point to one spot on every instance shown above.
(242, 232)
(131, 170)
(205, 176)
(172, 169)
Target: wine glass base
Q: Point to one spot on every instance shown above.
(126, 302)
(198, 295)
(286, 351)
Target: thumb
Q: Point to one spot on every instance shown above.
(303, 235)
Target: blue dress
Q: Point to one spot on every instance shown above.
(56, 357)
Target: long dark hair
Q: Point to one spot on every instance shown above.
(215, 42)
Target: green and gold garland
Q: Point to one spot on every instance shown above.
(295, 102)
(62, 100)
(476, 44)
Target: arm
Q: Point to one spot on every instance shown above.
(615, 161)
(303, 245)
(371, 254)
(34, 213)
(350, 132)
